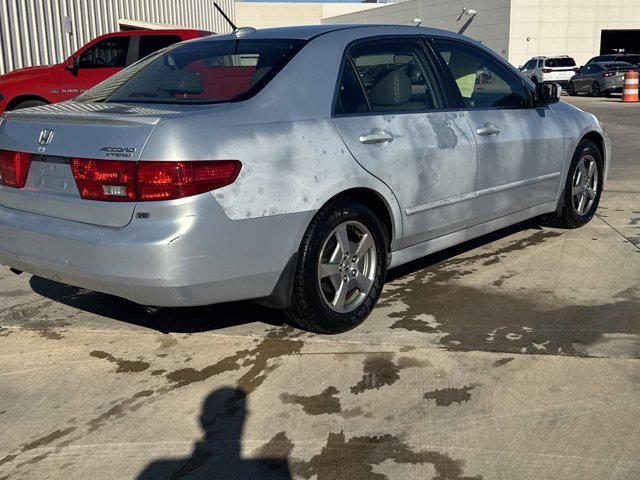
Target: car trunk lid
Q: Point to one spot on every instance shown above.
(56, 133)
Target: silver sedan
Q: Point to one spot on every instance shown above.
(294, 166)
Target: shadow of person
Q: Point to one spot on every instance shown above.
(218, 454)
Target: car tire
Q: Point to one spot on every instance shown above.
(571, 89)
(29, 103)
(595, 90)
(332, 299)
(574, 214)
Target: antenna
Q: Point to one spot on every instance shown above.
(233, 25)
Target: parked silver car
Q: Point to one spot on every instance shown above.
(290, 165)
(600, 79)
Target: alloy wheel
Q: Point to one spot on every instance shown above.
(584, 185)
(347, 266)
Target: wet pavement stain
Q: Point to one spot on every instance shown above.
(119, 410)
(323, 403)
(354, 459)
(503, 361)
(447, 396)
(503, 321)
(379, 370)
(277, 343)
(124, 366)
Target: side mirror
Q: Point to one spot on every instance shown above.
(547, 93)
(72, 64)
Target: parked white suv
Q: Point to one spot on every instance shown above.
(557, 69)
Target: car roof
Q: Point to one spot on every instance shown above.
(308, 32)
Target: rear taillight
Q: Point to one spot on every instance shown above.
(111, 180)
(546, 70)
(609, 74)
(123, 181)
(14, 168)
(576, 69)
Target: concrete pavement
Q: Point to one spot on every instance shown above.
(514, 356)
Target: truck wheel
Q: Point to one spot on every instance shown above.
(29, 103)
(341, 268)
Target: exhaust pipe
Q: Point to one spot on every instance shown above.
(16, 271)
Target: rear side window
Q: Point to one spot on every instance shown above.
(213, 71)
(560, 62)
(152, 43)
(483, 82)
(394, 75)
(351, 97)
(108, 53)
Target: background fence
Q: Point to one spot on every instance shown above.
(44, 32)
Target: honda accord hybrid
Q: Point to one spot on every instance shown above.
(293, 166)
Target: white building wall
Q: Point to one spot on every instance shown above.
(33, 32)
(285, 14)
(491, 26)
(571, 27)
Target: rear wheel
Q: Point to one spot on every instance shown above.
(571, 89)
(341, 269)
(595, 90)
(29, 103)
(583, 187)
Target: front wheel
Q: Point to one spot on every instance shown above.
(341, 268)
(571, 89)
(583, 187)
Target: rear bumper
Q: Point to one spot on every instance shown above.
(186, 253)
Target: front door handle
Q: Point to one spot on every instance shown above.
(488, 130)
(377, 136)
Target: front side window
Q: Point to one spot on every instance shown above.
(108, 53)
(213, 71)
(483, 82)
(530, 65)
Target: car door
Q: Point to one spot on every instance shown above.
(393, 117)
(96, 63)
(520, 147)
(586, 79)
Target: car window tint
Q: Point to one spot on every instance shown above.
(395, 77)
(482, 81)
(107, 53)
(153, 43)
(530, 64)
(560, 62)
(351, 97)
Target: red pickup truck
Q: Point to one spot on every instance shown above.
(93, 63)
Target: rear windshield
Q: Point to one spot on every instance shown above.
(619, 66)
(634, 59)
(559, 62)
(202, 72)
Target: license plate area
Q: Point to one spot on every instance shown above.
(52, 175)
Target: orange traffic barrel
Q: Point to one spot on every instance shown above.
(630, 92)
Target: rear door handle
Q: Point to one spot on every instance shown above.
(488, 130)
(377, 136)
